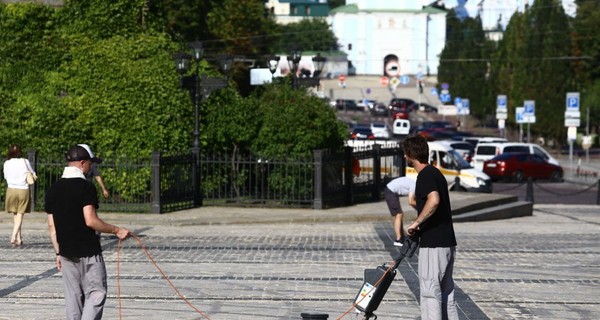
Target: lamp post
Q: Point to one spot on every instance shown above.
(304, 79)
(200, 88)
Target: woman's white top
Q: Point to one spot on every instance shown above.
(14, 173)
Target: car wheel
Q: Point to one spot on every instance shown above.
(518, 176)
(556, 176)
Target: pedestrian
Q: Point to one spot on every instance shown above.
(433, 226)
(402, 186)
(17, 191)
(71, 204)
(94, 173)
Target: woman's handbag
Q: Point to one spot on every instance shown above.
(30, 177)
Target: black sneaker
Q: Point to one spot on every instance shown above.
(399, 242)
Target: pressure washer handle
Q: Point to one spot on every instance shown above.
(408, 250)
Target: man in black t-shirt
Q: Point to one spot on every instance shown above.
(433, 226)
(71, 204)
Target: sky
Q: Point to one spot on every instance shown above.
(499, 7)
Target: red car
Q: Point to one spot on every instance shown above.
(520, 166)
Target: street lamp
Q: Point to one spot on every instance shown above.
(304, 79)
(197, 84)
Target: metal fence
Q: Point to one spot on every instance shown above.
(165, 183)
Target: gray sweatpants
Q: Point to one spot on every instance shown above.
(436, 283)
(84, 280)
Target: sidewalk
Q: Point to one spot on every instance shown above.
(366, 212)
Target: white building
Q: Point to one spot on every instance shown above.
(390, 37)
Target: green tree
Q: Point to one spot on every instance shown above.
(307, 35)
(242, 26)
(186, 19)
(546, 73)
(587, 67)
(464, 62)
(506, 62)
(293, 123)
(103, 19)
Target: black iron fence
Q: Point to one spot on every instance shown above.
(165, 183)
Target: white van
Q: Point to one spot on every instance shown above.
(486, 151)
(452, 165)
(401, 127)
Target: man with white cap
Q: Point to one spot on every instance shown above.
(94, 173)
(71, 204)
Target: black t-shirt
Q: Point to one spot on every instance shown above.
(437, 230)
(65, 201)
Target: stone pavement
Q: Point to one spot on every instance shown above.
(245, 263)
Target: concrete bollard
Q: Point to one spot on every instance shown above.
(529, 195)
(314, 316)
(598, 193)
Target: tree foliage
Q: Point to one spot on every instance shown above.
(308, 34)
(542, 56)
(464, 63)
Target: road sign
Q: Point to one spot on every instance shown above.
(445, 97)
(445, 86)
(519, 115)
(404, 79)
(384, 81)
(529, 106)
(434, 92)
(573, 101)
(501, 101)
(394, 82)
(465, 106)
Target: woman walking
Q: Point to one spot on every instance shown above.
(17, 192)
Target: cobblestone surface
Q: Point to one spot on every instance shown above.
(539, 267)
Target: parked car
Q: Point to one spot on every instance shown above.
(452, 165)
(426, 107)
(435, 126)
(399, 112)
(363, 133)
(519, 166)
(380, 110)
(465, 149)
(402, 103)
(476, 140)
(346, 104)
(486, 151)
(401, 127)
(380, 130)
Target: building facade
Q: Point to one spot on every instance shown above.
(390, 37)
(288, 11)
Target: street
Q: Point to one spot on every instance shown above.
(538, 267)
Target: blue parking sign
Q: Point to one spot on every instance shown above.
(573, 101)
(434, 91)
(501, 101)
(529, 106)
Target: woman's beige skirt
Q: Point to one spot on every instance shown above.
(17, 200)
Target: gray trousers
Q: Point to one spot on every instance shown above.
(436, 283)
(84, 280)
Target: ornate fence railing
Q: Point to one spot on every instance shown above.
(165, 183)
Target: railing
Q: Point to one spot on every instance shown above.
(165, 183)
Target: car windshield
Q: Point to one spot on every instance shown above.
(462, 163)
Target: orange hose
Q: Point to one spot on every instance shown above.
(159, 270)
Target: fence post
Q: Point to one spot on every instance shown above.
(376, 172)
(529, 195)
(348, 178)
(318, 179)
(32, 157)
(155, 181)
